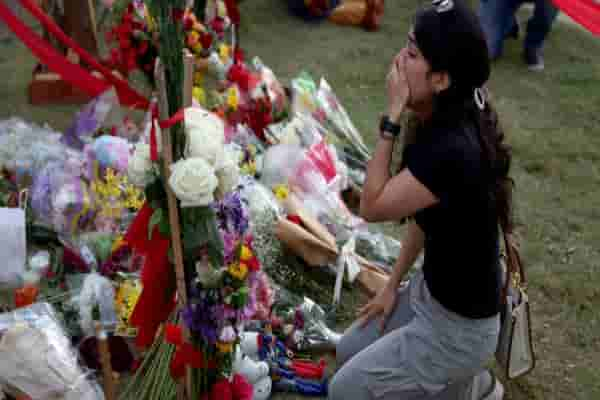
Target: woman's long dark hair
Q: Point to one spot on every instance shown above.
(453, 41)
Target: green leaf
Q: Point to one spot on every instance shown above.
(155, 219)
(164, 227)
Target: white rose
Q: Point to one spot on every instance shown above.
(229, 173)
(139, 168)
(193, 181)
(205, 135)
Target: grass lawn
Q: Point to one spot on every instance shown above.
(552, 119)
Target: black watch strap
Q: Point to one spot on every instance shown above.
(388, 128)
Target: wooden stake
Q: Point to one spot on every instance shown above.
(188, 77)
(167, 154)
(188, 82)
(107, 372)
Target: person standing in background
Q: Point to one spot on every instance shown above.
(499, 22)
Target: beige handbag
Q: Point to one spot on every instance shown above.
(515, 352)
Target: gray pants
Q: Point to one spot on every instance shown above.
(426, 352)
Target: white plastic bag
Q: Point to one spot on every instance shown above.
(13, 251)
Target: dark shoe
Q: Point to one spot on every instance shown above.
(534, 60)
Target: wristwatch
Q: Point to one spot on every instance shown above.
(388, 129)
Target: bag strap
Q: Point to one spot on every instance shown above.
(514, 264)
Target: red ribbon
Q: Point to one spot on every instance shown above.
(157, 299)
(585, 12)
(68, 71)
(185, 355)
(72, 73)
(165, 124)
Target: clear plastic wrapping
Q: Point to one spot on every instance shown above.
(37, 359)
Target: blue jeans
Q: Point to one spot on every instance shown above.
(498, 19)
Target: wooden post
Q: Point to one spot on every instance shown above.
(167, 155)
(107, 372)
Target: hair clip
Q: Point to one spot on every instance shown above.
(480, 98)
(442, 5)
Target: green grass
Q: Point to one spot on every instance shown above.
(553, 122)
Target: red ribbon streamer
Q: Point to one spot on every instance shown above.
(70, 72)
(127, 95)
(165, 124)
(157, 299)
(585, 12)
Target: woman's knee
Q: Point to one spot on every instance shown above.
(346, 384)
(353, 341)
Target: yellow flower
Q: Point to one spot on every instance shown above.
(197, 48)
(198, 78)
(238, 271)
(252, 149)
(225, 347)
(224, 52)
(134, 197)
(232, 98)
(246, 254)
(110, 177)
(281, 192)
(199, 94)
(192, 38)
(119, 241)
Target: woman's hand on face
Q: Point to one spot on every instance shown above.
(381, 306)
(397, 87)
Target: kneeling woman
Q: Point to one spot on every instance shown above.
(433, 338)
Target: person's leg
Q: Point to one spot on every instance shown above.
(498, 21)
(381, 371)
(356, 338)
(539, 24)
(538, 28)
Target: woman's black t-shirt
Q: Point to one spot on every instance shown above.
(461, 265)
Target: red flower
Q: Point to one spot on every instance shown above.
(232, 11)
(238, 55)
(178, 14)
(131, 61)
(188, 23)
(218, 25)
(240, 75)
(143, 47)
(221, 390)
(173, 334)
(206, 40)
(241, 389)
(125, 43)
(253, 264)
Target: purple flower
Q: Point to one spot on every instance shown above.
(230, 241)
(201, 319)
(231, 214)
